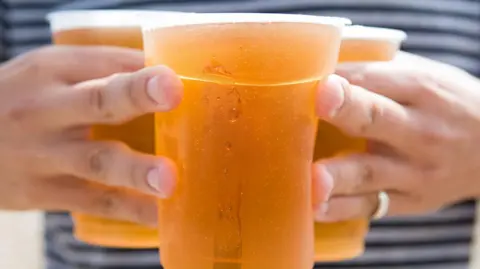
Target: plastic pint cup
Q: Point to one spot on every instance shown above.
(242, 137)
(346, 240)
(112, 28)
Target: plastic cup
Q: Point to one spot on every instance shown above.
(113, 28)
(346, 240)
(242, 137)
(363, 44)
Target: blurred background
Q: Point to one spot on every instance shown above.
(21, 241)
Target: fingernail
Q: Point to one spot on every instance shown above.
(161, 182)
(321, 214)
(157, 90)
(339, 85)
(325, 181)
(331, 96)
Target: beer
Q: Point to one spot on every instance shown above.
(242, 137)
(364, 44)
(345, 240)
(112, 28)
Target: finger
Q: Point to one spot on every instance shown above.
(377, 77)
(361, 113)
(364, 173)
(114, 164)
(406, 80)
(321, 190)
(382, 149)
(344, 208)
(73, 64)
(73, 194)
(115, 99)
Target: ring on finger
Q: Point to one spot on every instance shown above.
(383, 206)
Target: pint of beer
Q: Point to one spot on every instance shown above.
(242, 137)
(346, 240)
(112, 28)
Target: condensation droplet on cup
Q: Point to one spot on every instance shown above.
(215, 68)
(234, 114)
(235, 111)
(206, 100)
(228, 146)
(234, 93)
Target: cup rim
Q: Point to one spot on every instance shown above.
(62, 20)
(152, 23)
(361, 32)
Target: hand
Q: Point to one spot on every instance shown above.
(48, 100)
(422, 121)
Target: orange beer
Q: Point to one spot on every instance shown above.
(242, 137)
(345, 240)
(113, 28)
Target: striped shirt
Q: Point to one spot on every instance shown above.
(444, 30)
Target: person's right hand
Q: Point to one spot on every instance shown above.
(49, 98)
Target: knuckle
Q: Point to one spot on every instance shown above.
(362, 74)
(21, 112)
(428, 87)
(139, 213)
(435, 134)
(418, 199)
(33, 63)
(357, 177)
(430, 172)
(109, 202)
(24, 115)
(117, 98)
(137, 173)
(424, 80)
(346, 109)
(101, 158)
(38, 54)
(144, 210)
(366, 177)
(356, 115)
(36, 60)
(372, 114)
(97, 102)
(132, 94)
(430, 136)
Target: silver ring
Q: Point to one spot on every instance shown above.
(383, 206)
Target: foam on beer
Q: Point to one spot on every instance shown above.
(373, 33)
(152, 22)
(76, 19)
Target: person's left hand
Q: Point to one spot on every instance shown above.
(422, 121)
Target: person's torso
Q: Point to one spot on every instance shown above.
(445, 30)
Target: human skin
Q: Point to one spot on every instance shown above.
(48, 100)
(422, 119)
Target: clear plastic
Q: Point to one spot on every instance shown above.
(197, 24)
(243, 136)
(346, 240)
(75, 19)
(152, 21)
(359, 32)
(119, 28)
